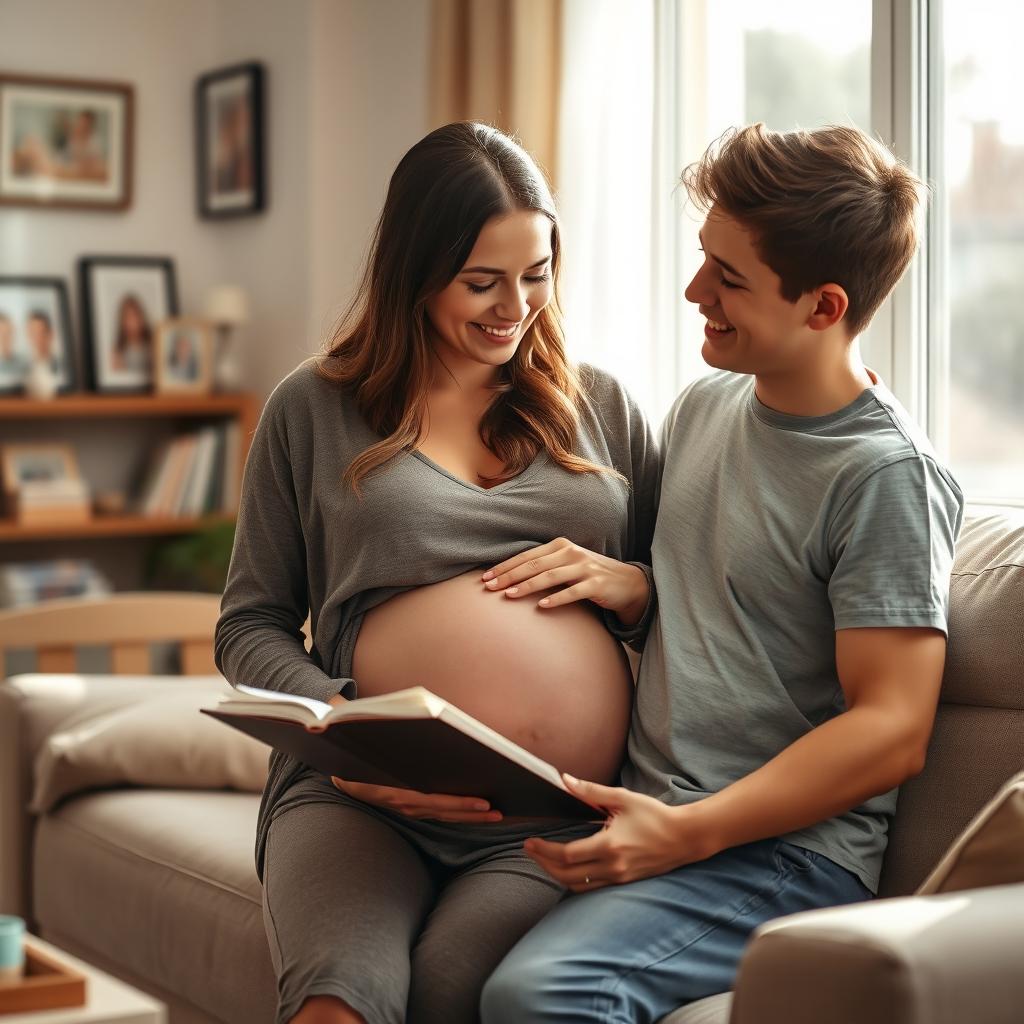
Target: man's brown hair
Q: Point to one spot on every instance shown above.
(830, 205)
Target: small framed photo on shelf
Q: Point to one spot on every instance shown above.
(65, 142)
(123, 298)
(184, 356)
(41, 483)
(29, 463)
(230, 141)
(34, 327)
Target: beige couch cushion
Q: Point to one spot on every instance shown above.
(978, 740)
(164, 883)
(160, 741)
(713, 1010)
(991, 849)
(986, 634)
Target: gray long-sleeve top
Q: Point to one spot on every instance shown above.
(305, 541)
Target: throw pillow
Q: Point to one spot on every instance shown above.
(990, 851)
(162, 741)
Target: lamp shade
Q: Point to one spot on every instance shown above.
(227, 304)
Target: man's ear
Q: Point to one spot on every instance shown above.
(830, 308)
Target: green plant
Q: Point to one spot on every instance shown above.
(198, 561)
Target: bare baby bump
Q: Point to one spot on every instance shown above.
(552, 680)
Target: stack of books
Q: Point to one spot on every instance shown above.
(51, 502)
(194, 474)
(28, 583)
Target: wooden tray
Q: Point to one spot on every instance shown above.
(48, 984)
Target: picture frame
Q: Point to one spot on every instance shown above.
(122, 299)
(230, 141)
(35, 324)
(184, 356)
(66, 142)
(28, 463)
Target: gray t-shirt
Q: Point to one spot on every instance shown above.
(305, 541)
(774, 531)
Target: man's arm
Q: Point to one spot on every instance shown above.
(891, 679)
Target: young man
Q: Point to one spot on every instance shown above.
(802, 555)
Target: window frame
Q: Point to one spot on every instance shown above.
(909, 340)
(902, 102)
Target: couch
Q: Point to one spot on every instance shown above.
(155, 882)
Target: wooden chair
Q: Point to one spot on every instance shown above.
(127, 623)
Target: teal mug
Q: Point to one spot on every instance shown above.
(12, 949)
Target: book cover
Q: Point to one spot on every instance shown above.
(411, 739)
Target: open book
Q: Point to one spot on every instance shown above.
(411, 739)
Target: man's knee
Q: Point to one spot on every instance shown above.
(512, 994)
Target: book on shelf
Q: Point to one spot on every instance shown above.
(194, 501)
(52, 493)
(29, 583)
(411, 739)
(190, 482)
(149, 480)
(192, 475)
(185, 450)
(45, 502)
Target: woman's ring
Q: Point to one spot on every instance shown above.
(586, 879)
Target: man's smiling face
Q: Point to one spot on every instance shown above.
(750, 327)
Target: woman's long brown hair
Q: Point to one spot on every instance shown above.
(442, 193)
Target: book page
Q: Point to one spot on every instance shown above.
(413, 702)
(317, 707)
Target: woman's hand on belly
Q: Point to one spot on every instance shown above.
(583, 575)
(420, 805)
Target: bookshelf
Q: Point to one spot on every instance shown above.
(114, 433)
(68, 407)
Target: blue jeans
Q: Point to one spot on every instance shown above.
(633, 953)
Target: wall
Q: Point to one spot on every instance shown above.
(346, 96)
(369, 89)
(159, 48)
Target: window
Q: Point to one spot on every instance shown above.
(978, 319)
(937, 80)
(701, 66)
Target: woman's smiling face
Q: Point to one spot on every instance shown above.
(485, 311)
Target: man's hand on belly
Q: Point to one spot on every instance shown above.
(641, 838)
(582, 574)
(412, 804)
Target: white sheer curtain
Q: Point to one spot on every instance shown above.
(622, 145)
(646, 86)
(604, 163)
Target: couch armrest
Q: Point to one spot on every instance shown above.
(915, 960)
(32, 707)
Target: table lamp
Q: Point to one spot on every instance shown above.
(226, 306)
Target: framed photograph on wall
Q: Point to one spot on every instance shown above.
(184, 356)
(230, 138)
(123, 298)
(34, 325)
(65, 142)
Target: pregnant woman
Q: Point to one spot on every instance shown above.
(443, 433)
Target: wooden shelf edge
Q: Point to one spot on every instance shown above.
(108, 526)
(89, 406)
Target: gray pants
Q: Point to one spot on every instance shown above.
(402, 920)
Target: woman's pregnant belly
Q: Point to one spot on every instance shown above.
(552, 680)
